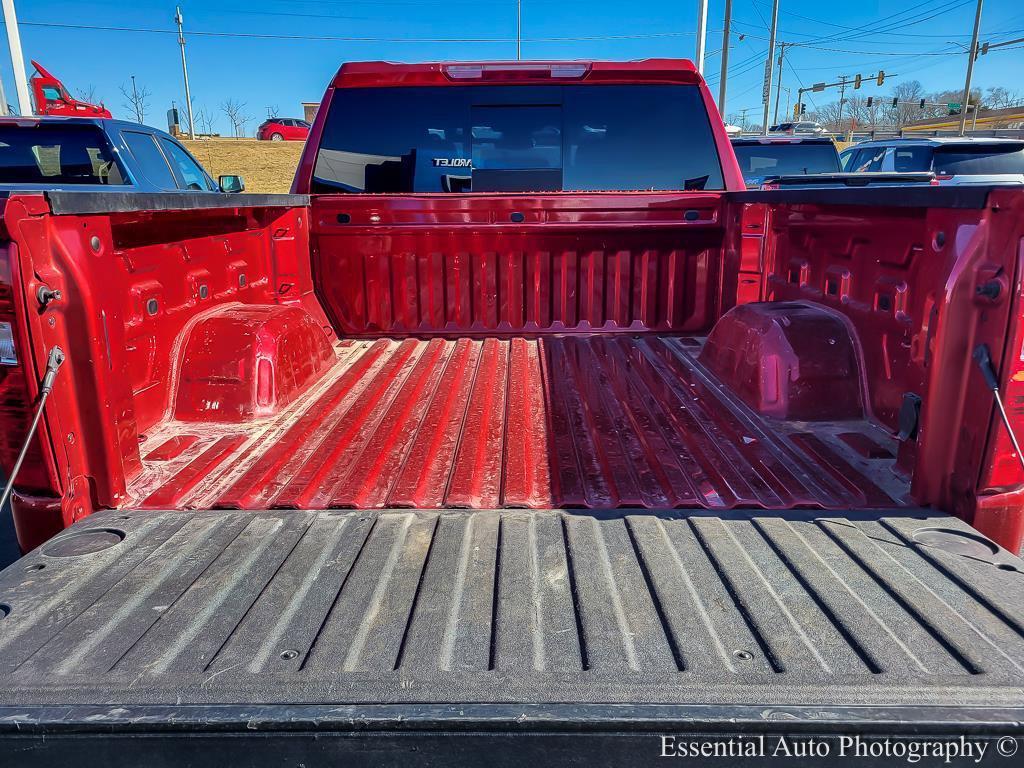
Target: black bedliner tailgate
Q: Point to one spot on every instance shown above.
(512, 623)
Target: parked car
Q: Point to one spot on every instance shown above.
(763, 156)
(953, 160)
(283, 129)
(385, 473)
(96, 153)
(803, 126)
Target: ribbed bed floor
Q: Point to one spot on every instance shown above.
(600, 421)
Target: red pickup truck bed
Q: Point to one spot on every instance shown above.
(581, 422)
(410, 478)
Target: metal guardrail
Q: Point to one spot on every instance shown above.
(859, 136)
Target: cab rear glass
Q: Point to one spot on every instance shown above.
(759, 160)
(57, 154)
(979, 159)
(517, 139)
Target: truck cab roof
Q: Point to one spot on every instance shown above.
(386, 73)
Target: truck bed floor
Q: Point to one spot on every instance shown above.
(524, 606)
(602, 421)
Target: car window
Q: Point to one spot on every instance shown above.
(845, 157)
(492, 138)
(911, 159)
(150, 159)
(57, 154)
(193, 175)
(759, 160)
(980, 159)
(868, 159)
(50, 93)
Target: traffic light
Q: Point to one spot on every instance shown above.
(895, 101)
(984, 48)
(921, 105)
(796, 111)
(803, 109)
(856, 82)
(881, 76)
(871, 100)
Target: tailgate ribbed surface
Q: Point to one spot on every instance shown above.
(512, 606)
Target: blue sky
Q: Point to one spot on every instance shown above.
(912, 39)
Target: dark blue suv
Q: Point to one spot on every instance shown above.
(72, 152)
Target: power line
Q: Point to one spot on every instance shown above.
(353, 39)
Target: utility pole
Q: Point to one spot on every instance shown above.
(842, 100)
(519, 30)
(184, 71)
(743, 117)
(971, 56)
(766, 95)
(725, 57)
(778, 85)
(17, 60)
(702, 33)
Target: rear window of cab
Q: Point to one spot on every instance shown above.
(517, 139)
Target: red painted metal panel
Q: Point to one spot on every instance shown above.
(557, 421)
(581, 263)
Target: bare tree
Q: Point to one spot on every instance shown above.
(907, 94)
(204, 120)
(235, 113)
(89, 94)
(1001, 98)
(136, 99)
(273, 112)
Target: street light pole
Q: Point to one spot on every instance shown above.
(184, 71)
(971, 56)
(17, 59)
(766, 95)
(702, 33)
(723, 75)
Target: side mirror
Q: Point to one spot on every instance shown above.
(231, 184)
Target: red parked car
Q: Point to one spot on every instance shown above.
(283, 129)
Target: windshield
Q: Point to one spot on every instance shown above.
(981, 159)
(57, 154)
(784, 159)
(517, 139)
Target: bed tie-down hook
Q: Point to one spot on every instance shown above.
(53, 364)
(984, 360)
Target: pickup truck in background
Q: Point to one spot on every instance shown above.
(469, 451)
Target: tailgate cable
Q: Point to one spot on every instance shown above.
(984, 361)
(53, 364)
